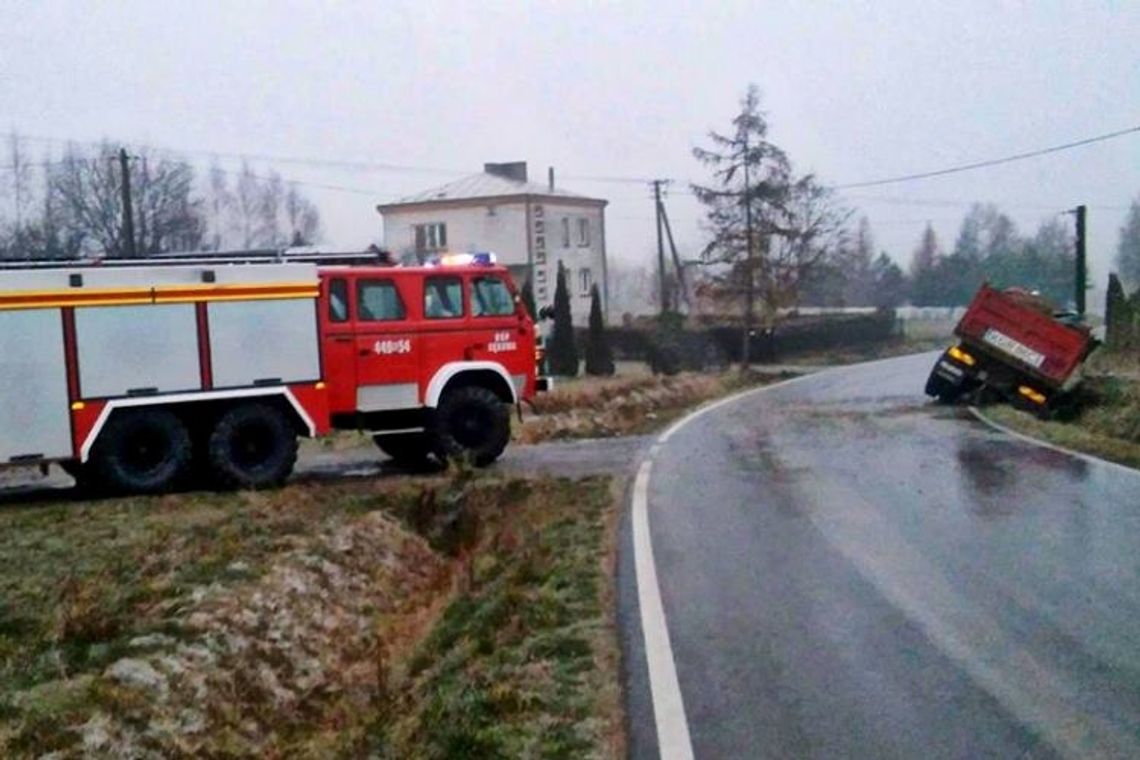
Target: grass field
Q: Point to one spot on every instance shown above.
(601, 407)
(317, 620)
(1105, 423)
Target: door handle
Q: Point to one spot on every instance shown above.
(342, 340)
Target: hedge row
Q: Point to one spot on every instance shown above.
(670, 348)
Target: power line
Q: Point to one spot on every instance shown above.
(946, 202)
(990, 162)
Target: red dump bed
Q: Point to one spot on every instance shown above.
(1007, 327)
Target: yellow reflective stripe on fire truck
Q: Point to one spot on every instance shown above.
(46, 299)
(234, 292)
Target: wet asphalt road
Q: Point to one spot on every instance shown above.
(850, 571)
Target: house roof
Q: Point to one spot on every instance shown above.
(485, 185)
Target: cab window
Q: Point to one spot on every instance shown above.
(338, 300)
(378, 301)
(443, 297)
(490, 297)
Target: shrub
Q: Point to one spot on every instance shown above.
(562, 353)
(599, 358)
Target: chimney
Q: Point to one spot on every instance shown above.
(515, 170)
(550, 178)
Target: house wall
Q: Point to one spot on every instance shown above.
(500, 228)
(550, 249)
(503, 229)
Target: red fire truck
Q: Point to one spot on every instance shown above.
(146, 378)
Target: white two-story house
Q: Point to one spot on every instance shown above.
(530, 227)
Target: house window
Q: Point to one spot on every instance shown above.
(583, 232)
(443, 297)
(431, 237)
(378, 301)
(565, 232)
(585, 280)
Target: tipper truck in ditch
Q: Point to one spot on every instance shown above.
(1011, 343)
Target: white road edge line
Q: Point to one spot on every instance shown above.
(672, 726)
(979, 415)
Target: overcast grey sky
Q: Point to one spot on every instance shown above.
(854, 91)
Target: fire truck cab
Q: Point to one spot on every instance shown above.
(150, 377)
(429, 359)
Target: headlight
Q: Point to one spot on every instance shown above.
(957, 353)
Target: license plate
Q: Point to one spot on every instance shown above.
(1014, 348)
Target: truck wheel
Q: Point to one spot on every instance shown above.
(140, 451)
(943, 389)
(408, 450)
(472, 421)
(251, 446)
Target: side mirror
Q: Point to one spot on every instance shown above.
(546, 312)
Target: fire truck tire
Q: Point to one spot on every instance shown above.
(251, 446)
(140, 451)
(472, 421)
(408, 450)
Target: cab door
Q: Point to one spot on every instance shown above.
(500, 328)
(387, 349)
(338, 344)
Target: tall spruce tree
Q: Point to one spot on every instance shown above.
(599, 358)
(562, 353)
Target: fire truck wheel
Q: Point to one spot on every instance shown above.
(140, 451)
(252, 446)
(472, 421)
(408, 450)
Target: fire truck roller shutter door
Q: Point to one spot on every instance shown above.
(133, 349)
(255, 342)
(506, 390)
(33, 386)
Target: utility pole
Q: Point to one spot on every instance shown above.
(657, 183)
(681, 292)
(1081, 273)
(128, 217)
(750, 286)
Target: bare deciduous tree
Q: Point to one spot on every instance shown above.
(87, 192)
(302, 217)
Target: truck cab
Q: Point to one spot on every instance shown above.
(427, 359)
